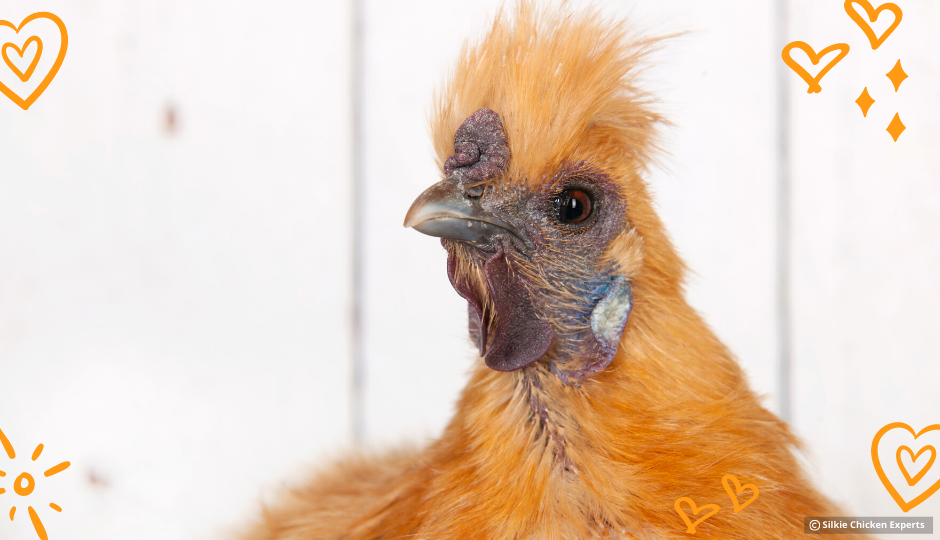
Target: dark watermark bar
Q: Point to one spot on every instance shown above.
(868, 525)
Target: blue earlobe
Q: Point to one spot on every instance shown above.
(608, 320)
(610, 316)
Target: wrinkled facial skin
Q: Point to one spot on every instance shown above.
(538, 288)
(564, 269)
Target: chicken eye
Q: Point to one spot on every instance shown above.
(574, 206)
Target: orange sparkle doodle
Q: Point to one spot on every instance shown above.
(865, 101)
(37, 451)
(55, 507)
(896, 75)
(896, 127)
(12, 512)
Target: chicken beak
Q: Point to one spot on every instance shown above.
(444, 211)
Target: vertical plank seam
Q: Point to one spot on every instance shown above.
(783, 246)
(357, 346)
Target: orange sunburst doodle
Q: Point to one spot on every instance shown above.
(24, 484)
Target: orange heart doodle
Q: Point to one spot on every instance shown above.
(25, 103)
(923, 471)
(876, 461)
(32, 65)
(813, 82)
(738, 488)
(873, 16)
(695, 510)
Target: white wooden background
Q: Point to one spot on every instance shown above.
(175, 297)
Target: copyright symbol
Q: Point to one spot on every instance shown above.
(814, 525)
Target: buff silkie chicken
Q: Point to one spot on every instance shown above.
(600, 397)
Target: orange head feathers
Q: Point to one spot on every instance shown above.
(564, 87)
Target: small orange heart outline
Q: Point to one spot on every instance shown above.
(695, 510)
(933, 457)
(873, 15)
(32, 65)
(876, 461)
(25, 103)
(738, 490)
(813, 82)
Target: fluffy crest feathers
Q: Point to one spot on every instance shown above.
(564, 86)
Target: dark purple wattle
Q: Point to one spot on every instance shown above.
(521, 336)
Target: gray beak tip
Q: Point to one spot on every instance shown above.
(443, 211)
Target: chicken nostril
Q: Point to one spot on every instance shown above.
(474, 192)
